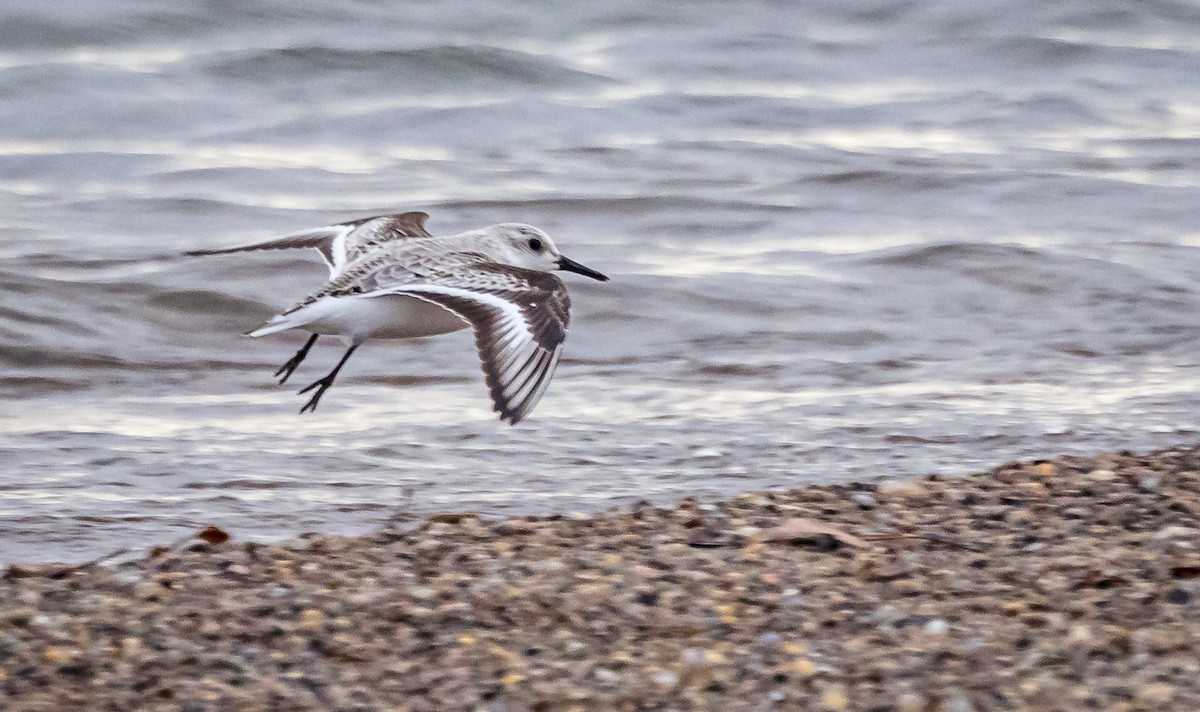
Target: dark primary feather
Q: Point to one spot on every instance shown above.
(518, 353)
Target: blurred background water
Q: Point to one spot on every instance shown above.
(846, 240)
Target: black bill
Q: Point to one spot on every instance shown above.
(573, 266)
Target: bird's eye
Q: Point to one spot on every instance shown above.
(535, 244)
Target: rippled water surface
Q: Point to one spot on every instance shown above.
(846, 240)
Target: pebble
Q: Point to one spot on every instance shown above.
(937, 627)
(957, 701)
(692, 656)
(900, 488)
(311, 619)
(1043, 585)
(1155, 694)
(834, 698)
(1176, 532)
(864, 500)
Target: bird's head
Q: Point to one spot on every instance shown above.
(526, 246)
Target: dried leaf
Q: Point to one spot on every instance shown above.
(213, 535)
(801, 530)
(1185, 571)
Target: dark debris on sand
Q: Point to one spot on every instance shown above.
(1057, 585)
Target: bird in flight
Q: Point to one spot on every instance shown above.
(389, 278)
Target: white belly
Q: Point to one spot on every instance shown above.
(390, 317)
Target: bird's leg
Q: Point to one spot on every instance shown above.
(324, 384)
(288, 368)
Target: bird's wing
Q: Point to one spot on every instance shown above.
(342, 243)
(520, 318)
(377, 232)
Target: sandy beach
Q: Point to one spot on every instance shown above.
(1061, 584)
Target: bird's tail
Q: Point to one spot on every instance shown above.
(300, 315)
(275, 325)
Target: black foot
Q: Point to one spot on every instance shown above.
(321, 386)
(324, 384)
(289, 368)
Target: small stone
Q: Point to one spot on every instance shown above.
(1178, 596)
(692, 656)
(646, 598)
(803, 667)
(1175, 532)
(957, 701)
(606, 677)
(937, 626)
(727, 611)
(900, 488)
(666, 679)
(864, 500)
(1045, 469)
(1155, 694)
(422, 593)
(1101, 475)
(311, 619)
(20, 616)
(1080, 633)
(834, 698)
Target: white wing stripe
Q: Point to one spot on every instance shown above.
(545, 382)
(532, 365)
(535, 377)
(520, 368)
(338, 250)
(510, 360)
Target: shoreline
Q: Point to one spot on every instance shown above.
(1064, 583)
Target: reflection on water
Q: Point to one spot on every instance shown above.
(843, 243)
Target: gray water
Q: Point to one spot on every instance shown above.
(846, 240)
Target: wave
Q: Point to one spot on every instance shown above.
(440, 65)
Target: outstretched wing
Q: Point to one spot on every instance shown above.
(342, 243)
(520, 318)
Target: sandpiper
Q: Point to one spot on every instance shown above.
(389, 278)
